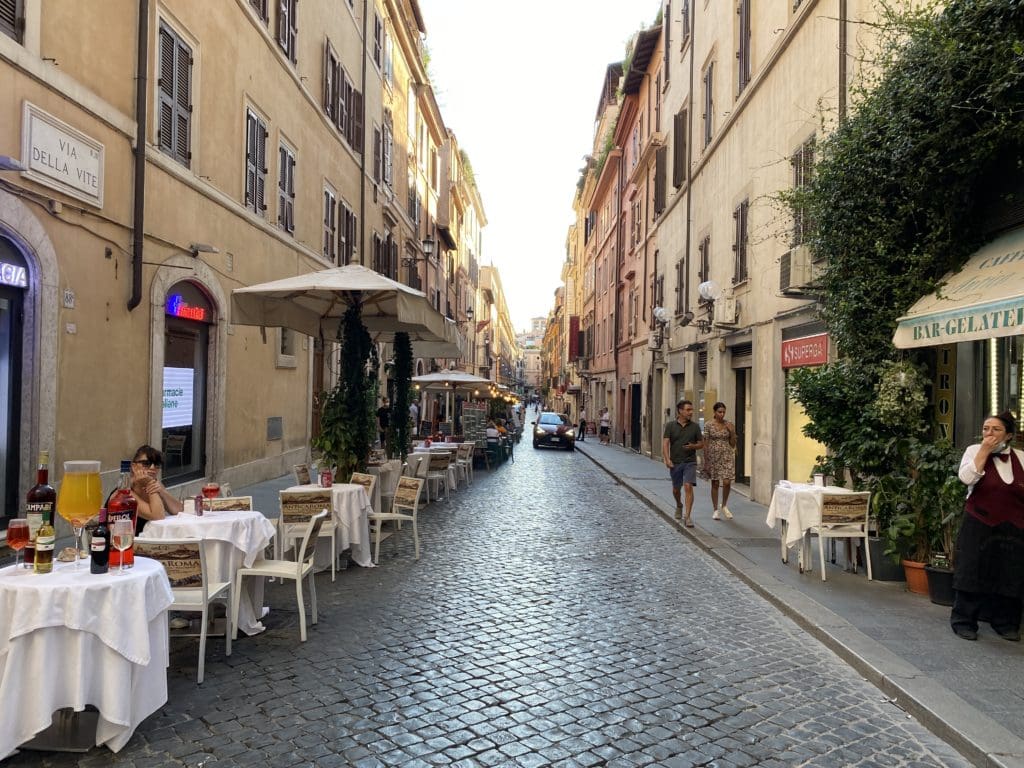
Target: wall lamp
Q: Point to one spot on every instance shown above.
(196, 248)
(468, 318)
(428, 251)
(8, 163)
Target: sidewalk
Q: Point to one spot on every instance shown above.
(971, 694)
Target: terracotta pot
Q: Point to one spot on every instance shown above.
(917, 579)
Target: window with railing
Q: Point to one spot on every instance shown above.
(803, 167)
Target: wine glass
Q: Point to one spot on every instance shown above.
(211, 490)
(121, 537)
(17, 537)
(80, 497)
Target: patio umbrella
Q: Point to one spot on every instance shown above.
(449, 382)
(314, 303)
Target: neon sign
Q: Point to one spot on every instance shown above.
(13, 274)
(178, 307)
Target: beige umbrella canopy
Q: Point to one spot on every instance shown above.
(450, 380)
(314, 304)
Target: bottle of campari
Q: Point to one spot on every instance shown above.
(121, 505)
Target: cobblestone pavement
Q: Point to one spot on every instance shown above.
(553, 620)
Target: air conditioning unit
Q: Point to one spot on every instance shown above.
(726, 312)
(797, 270)
(654, 340)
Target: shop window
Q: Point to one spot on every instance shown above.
(286, 357)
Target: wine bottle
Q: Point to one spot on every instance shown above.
(121, 505)
(45, 539)
(99, 547)
(41, 498)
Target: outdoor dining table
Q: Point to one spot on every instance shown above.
(797, 507)
(234, 539)
(387, 474)
(72, 638)
(350, 507)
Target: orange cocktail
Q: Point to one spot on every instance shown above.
(80, 495)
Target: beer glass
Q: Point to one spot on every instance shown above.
(80, 497)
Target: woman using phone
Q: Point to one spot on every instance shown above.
(989, 574)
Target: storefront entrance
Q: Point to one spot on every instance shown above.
(13, 283)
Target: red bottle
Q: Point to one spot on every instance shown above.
(121, 505)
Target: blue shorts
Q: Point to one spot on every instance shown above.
(684, 474)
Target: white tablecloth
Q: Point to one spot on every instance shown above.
(349, 509)
(387, 480)
(72, 638)
(418, 457)
(799, 505)
(233, 539)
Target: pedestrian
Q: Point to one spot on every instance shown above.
(605, 426)
(383, 420)
(414, 417)
(583, 425)
(720, 458)
(989, 573)
(682, 439)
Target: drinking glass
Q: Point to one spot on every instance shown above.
(17, 537)
(121, 536)
(80, 497)
(211, 491)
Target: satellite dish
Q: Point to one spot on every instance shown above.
(709, 290)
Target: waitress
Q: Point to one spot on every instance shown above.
(989, 573)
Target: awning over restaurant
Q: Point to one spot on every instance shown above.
(984, 300)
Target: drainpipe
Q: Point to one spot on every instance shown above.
(139, 205)
(362, 141)
(689, 169)
(843, 21)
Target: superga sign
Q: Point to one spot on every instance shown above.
(807, 350)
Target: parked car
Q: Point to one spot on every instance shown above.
(554, 429)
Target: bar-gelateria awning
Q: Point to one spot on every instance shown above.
(984, 300)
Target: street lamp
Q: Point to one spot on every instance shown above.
(428, 251)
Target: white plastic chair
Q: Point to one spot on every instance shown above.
(297, 507)
(299, 569)
(467, 460)
(403, 508)
(437, 471)
(185, 563)
(844, 516)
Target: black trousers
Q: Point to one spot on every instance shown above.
(1002, 612)
(583, 431)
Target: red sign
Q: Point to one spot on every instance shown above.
(808, 350)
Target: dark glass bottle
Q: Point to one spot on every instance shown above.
(99, 548)
(121, 505)
(41, 499)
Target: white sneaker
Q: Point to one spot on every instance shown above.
(726, 512)
(715, 515)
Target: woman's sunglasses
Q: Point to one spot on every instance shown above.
(147, 463)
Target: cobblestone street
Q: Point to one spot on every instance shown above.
(553, 619)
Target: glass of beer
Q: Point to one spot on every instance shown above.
(80, 497)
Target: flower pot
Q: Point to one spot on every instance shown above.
(940, 584)
(917, 579)
(883, 568)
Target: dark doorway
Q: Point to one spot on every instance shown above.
(740, 420)
(635, 414)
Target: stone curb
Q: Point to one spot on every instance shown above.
(978, 737)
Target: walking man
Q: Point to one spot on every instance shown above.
(682, 440)
(582, 436)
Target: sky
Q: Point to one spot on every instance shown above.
(519, 84)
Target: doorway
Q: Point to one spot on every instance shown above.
(635, 414)
(741, 411)
(11, 334)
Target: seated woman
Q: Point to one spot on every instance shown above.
(492, 430)
(502, 430)
(155, 501)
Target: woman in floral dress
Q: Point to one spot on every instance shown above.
(720, 458)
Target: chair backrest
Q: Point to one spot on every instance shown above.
(407, 494)
(301, 506)
(463, 452)
(175, 444)
(308, 547)
(230, 503)
(365, 480)
(439, 461)
(301, 474)
(184, 560)
(845, 508)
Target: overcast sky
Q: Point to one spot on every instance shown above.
(518, 84)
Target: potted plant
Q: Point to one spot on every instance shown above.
(943, 559)
(918, 493)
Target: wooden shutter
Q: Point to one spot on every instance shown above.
(251, 129)
(330, 226)
(183, 102)
(282, 24)
(679, 149)
(660, 173)
(377, 154)
(328, 80)
(12, 19)
(680, 285)
(357, 121)
(667, 22)
(261, 166)
(165, 86)
(344, 98)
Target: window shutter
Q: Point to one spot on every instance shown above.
(357, 119)
(377, 139)
(165, 86)
(679, 149)
(250, 159)
(393, 269)
(667, 21)
(261, 166)
(293, 31)
(183, 102)
(344, 97)
(328, 80)
(282, 24)
(660, 172)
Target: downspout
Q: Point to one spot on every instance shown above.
(362, 142)
(139, 203)
(689, 170)
(615, 296)
(843, 21)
